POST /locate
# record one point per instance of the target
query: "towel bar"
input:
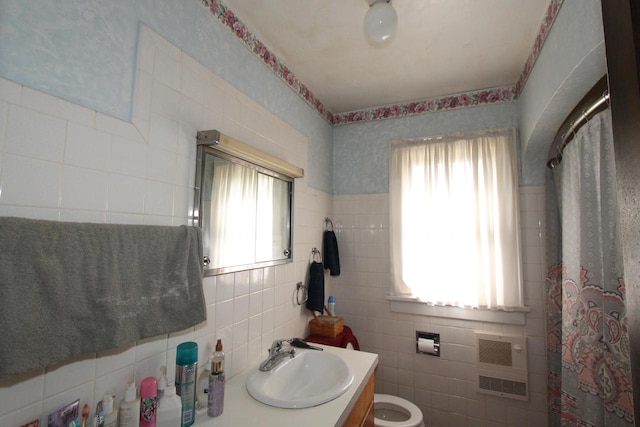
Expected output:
(305, 294)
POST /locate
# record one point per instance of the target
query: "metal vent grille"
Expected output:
(499, 385)
(494, 352)
(502, 366)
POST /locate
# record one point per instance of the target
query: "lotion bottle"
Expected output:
(216, 382)
(148, 402)
(169, 408)
(110, 413)
(332, 306)
(129, 413)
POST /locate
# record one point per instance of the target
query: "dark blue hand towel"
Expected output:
(330, 252)
(315, 302)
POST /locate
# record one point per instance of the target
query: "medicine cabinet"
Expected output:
(243, 204)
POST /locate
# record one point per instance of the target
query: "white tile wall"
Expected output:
(61, 161)
(442, 387)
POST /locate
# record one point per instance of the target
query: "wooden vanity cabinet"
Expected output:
(362, 413)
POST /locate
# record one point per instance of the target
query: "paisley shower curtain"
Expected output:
(589, 375)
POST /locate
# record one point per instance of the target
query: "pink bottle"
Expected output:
(148, 402)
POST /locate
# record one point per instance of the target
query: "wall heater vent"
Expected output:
(502, 365)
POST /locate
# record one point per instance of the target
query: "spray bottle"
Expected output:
(186, 372)
(162, 381)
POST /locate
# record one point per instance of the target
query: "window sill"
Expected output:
(409, 305)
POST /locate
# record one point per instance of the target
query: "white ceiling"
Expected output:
(442, 47)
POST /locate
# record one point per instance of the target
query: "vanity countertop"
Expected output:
(240, 409)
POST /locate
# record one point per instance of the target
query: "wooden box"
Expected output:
(326, 326)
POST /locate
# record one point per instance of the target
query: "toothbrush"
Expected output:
(85, 414)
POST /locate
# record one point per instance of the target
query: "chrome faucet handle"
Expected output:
(276, 355)
(276, 346)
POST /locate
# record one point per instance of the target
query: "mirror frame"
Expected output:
(216, 144)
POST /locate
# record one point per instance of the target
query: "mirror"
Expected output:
(244, 210)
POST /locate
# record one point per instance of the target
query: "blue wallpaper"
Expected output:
(361, 151)
(80, 51)
(572, 60)
(85, 51)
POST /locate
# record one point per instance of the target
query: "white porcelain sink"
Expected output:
(311, 378)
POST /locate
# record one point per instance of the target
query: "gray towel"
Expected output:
(73, 288)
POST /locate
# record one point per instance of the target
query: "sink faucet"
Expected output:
(276, 355)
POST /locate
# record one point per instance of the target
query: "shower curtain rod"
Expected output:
(577, 123)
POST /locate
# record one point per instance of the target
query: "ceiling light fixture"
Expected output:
(381, 21)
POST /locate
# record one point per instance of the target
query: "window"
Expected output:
(454, 220)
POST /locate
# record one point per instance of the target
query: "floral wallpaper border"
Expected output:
(449, 102)
(228, 18)
(545, 27)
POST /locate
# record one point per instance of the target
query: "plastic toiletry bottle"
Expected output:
(162, 381)
(98, 418)
(169, 408)
(332, 305)
(129, 412)
(110, 413)
(186, 373)
(216, 382)
(148, 402)
(203, 385)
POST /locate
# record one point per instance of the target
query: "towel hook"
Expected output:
(315, 253)
(328, 224)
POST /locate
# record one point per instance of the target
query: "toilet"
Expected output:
(393, 411)
(389, 411)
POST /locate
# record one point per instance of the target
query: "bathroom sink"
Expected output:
(310, 378)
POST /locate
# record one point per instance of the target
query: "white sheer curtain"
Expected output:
(454, 220)
(264, 237)
(234, 205)
(279, 192)
(272, 218)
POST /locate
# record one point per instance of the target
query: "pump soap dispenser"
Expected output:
(129, 413)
